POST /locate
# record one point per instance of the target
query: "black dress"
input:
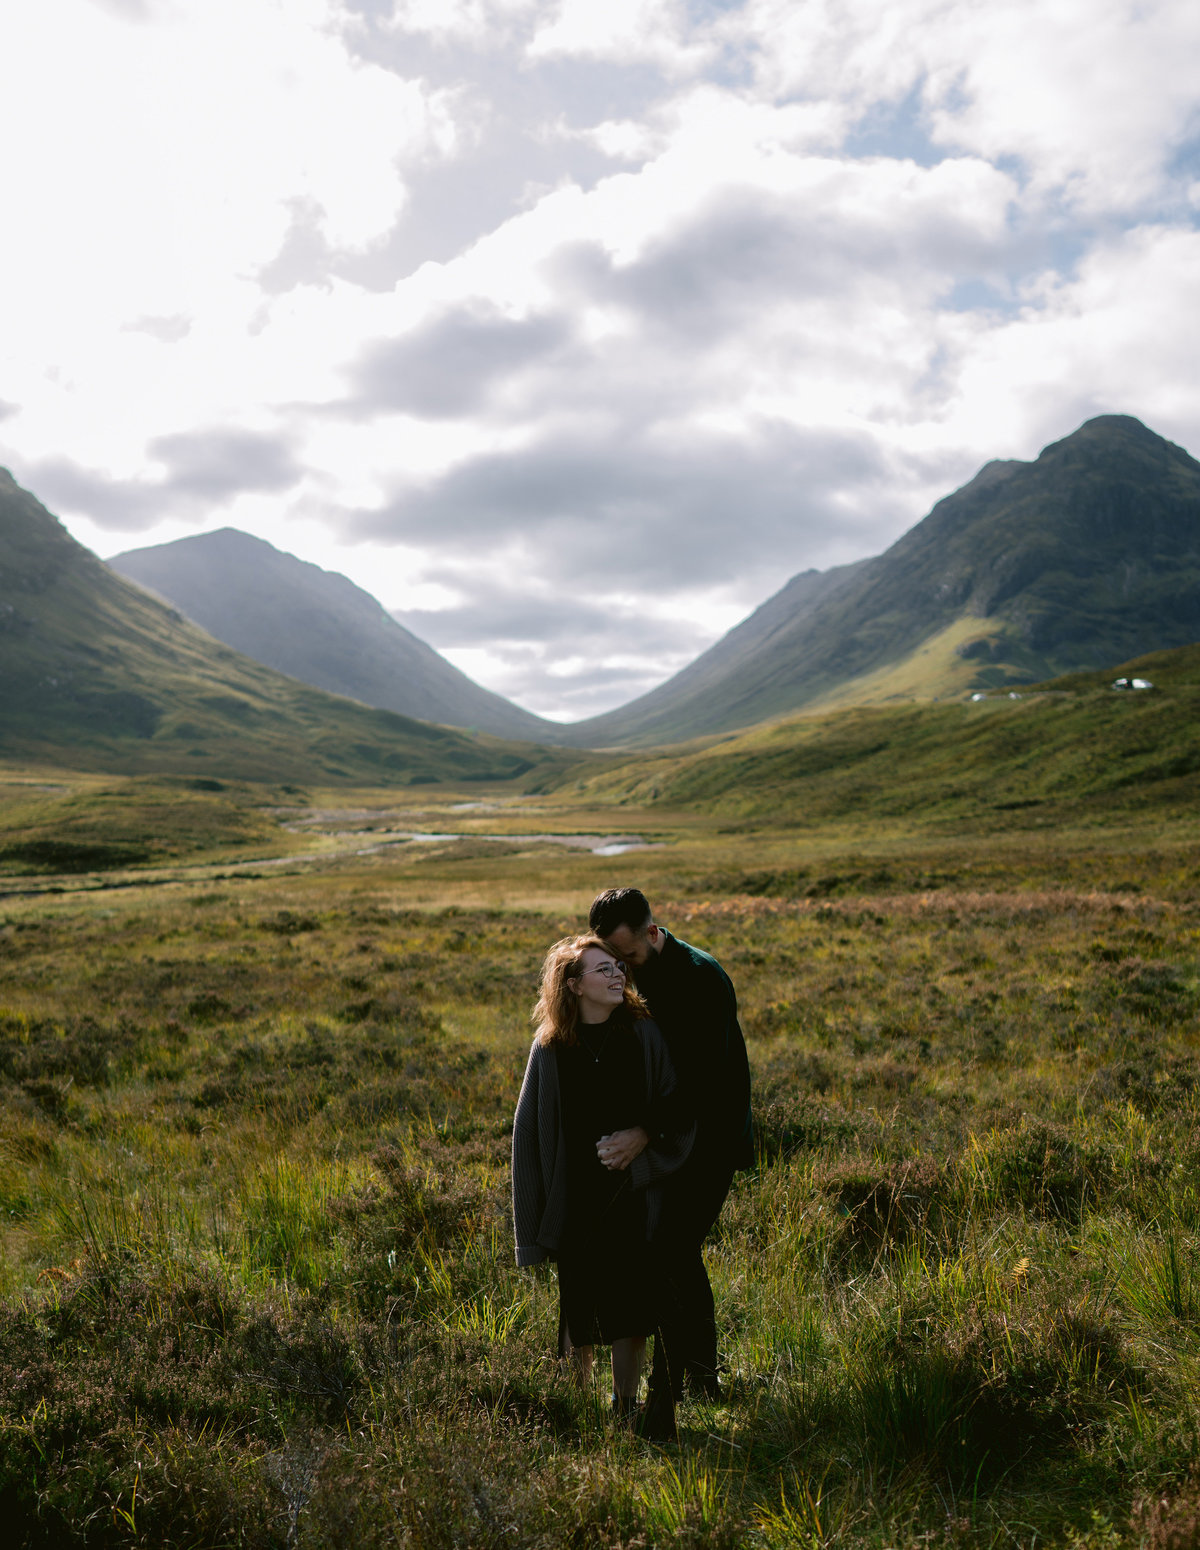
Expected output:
(604, 1283)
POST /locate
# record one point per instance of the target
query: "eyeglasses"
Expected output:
(607, 969)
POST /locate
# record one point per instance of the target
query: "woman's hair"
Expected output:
(556, 1015)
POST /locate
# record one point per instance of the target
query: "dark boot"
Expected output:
(625, 1412)
(702, 1380)
(657, 1420)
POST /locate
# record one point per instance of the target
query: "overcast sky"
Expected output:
(572, 328)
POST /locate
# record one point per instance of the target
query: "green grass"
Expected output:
(1080, 755)
(258, 1279)
(74, 824)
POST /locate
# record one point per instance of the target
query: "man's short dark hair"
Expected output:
(619, 907)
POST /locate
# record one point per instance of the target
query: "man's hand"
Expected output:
(619, 1149)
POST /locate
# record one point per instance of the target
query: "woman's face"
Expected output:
(600, 984)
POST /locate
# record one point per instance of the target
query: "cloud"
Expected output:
(628, 31)
(562, 656)
(123, 505)
(611, 317)
(201, 133)
(558, 651)
(305, 256)
(756, 288)
(450, 365)
(168, 330)
(484, 22)
(563, 682)
(214, 464)
(836, 233)
(1093, 113)
(203, 471)
(1106, 340)
(489, 615)
(132, 10)
(1090, 97)
(521, 127)
(669, 510)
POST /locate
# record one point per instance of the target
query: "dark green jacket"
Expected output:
(692, 1000)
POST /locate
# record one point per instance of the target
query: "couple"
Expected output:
(633, 1117)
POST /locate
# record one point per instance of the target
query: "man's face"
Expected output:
(635, 947)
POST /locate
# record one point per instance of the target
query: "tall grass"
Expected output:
(259, 1282)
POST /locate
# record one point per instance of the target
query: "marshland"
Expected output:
(254, 1156)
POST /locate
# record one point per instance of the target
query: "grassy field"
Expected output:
(254, 1131)
(1080, 757)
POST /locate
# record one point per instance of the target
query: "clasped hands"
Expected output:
(618, 1150)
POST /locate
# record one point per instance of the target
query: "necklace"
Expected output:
(587, 1044)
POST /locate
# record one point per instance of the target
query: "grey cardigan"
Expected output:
(539, 1168)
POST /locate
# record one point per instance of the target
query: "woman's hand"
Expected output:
(619, 1149)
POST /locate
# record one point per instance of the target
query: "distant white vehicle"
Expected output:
(1132, 683)
(1013, 695)
(979, 695)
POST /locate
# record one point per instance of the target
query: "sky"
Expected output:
(571, 330)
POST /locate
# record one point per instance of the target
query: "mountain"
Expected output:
(1088, 555)
(96, 673)
(318, 626)
(657, 713)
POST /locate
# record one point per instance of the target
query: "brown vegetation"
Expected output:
(253, 1176)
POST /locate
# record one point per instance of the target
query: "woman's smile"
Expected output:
(599, 984)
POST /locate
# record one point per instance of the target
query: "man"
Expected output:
(692, 1000)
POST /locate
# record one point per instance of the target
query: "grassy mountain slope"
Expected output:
(317, 626)
(670, 710)
(1076, 750)
(1088, 555)
(97, 674)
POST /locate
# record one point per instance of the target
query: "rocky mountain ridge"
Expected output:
(1086, 556)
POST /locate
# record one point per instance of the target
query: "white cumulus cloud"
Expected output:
(447, 295)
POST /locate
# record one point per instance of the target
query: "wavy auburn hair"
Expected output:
(556, 1015)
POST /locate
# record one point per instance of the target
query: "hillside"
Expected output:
(97, 674)
(317, 626)
(656, 716)
(1073, 750)
(1088, 555)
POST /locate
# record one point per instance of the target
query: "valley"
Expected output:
(1086, 556)
(253, 1167)
(267, 957)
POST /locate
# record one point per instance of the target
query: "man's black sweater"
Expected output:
(692, 1000)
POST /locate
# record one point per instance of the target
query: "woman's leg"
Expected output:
(627, 1354)
(579, 1357)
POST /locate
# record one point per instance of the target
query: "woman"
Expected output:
(593, 1137)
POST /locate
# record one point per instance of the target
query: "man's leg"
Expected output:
(670, 1343)
(657, 1421)
(685, 1341)
(697, 1316)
